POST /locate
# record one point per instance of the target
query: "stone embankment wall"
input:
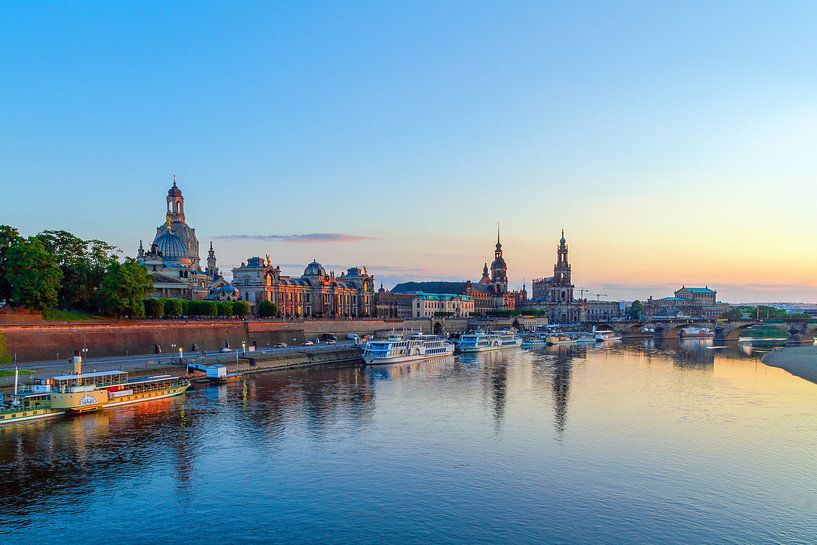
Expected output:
(53, 341)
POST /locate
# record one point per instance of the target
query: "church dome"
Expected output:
(499, 263)
(170, 245)
(174, 191)
(314, 269)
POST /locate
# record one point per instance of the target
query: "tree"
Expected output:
(635, 310)
(209, 308)
(124, 287)
(225, 308)
(33, 275)
(267, 309)
(241, 308)
(9, 236)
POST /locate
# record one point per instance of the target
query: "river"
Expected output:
(627, 443)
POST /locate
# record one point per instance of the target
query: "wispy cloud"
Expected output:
(306, 238)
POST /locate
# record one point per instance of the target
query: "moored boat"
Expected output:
(560, 339)
(606, 335)
(485, 342)
(696, 333)
(397, 348)
(23, 406)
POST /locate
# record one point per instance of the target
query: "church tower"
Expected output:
(499, 269)
(212, 269)
(175, 202)
(561, 289)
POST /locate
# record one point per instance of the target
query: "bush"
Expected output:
(225, 308)
(267, 308)
(173, 308)
(241, 308)
(154, 308)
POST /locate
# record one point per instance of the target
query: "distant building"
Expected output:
(554, 294)
(687, 303)
(601, 311)
(430, 305)
(315, 294)
(394, 305)
(490, 293)
(173, 257)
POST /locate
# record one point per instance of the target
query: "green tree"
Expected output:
(267, 309)
(209, 308)
(635, 309)
(123, 289)
(173, 308)
(225, 308)
(33, 275)
(241, 308)
(9, 236)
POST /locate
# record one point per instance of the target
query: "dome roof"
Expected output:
(314, 269)
(499, 263)
(170, 245)
(174, 191)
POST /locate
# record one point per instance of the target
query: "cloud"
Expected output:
(307, 238)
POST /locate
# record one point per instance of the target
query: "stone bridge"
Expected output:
(796, 330)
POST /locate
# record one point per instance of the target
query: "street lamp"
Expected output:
(181, 353)
(244, 347)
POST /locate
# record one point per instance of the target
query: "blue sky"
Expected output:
(673, 140)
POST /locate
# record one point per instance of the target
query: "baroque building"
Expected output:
(315, 294)
(173, 257)
(695, 303)
(490, 293)
(554, 294)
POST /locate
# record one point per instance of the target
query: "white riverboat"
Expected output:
(485, 342)
(606, 335)
(397, 348)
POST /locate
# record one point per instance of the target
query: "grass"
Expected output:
(10, 372)
(55, 315)
(765, 333)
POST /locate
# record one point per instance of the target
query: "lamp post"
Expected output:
(181, 354)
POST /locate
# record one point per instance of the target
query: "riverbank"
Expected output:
(800, 361)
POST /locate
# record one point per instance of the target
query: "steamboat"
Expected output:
(397, 348)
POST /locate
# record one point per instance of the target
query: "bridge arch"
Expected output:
(437, 328)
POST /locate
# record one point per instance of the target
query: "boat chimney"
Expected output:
(16, 376)
(77, 359)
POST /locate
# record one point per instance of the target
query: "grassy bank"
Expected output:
(54, 315)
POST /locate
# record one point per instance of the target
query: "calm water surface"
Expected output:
(626, 444)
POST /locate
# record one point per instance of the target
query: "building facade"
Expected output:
(315, 294)
(173, 257)
(554, 294)
(687, 303)
(436, 305)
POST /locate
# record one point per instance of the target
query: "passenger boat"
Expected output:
(606, 335)
(26, 405)
(397, 348)
(560, 339)
(530, 342)
(484, 342)
(696, 333)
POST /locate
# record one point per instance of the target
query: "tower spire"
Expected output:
(174, 179)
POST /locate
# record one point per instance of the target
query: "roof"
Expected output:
(430, 287)
(89, 375)
(441, 296)
(698, 290)
(674, 299)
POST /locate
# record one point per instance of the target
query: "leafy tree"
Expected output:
(9, 236)
(635, 309)
(83, 264)
(267, 308)
(123, 289)
(33, 275)
(209, 308)
(154, 308)
(225, 308)
(173, 308)
(241, 308)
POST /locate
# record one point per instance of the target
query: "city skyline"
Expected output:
(681, 154)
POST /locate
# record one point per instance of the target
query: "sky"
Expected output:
(673, 141)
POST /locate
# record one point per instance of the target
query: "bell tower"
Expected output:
(212, 269)
(499, 269)
(175, 202)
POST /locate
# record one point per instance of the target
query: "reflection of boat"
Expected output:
(397, 349)
(484, 342)
(605, 335)
(696, 333)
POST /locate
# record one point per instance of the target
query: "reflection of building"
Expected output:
(490, 293)
(173, 257)
(694, 303)
(315, 294)
(555, 294)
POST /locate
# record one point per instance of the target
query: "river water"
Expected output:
(572, 444)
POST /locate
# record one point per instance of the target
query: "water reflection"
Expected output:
(696, 433)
